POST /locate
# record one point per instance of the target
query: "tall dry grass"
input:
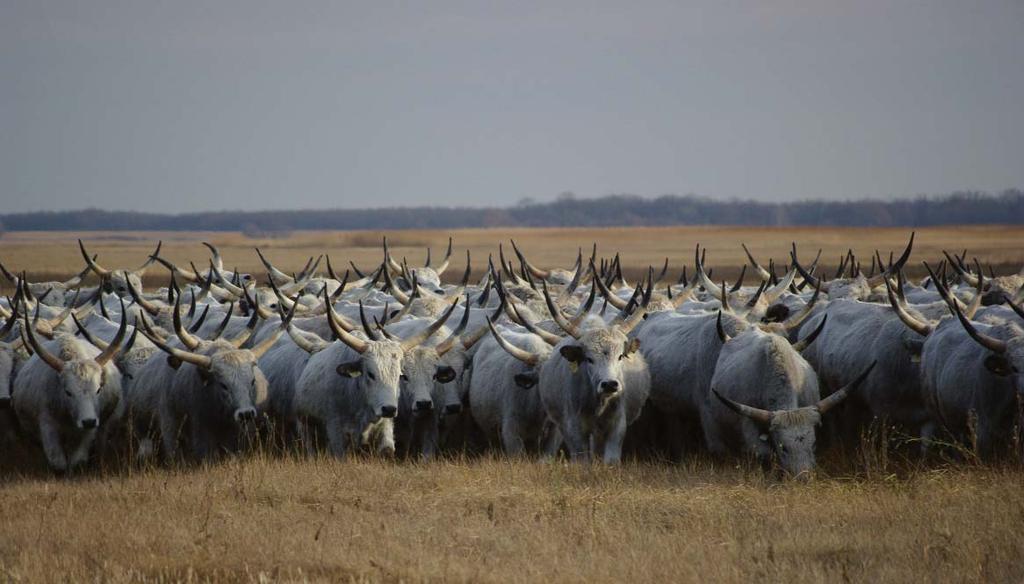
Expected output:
(493, 520)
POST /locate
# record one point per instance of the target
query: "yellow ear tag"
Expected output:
(574, 366)
(356, 373)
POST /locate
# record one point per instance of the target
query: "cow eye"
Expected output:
(371, 375)
(223, 385)
(404, 377)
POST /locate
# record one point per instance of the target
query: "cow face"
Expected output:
(236, 381)
(376, 372)
(81, 382)
(598, 356)
(428, 383)
(117, 283)
(792, 438)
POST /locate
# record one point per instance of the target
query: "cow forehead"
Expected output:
(603, 340)
(83, 368)
(419, 358)
(232, 359)
(789, 419)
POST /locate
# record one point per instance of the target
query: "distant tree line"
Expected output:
(970, 207)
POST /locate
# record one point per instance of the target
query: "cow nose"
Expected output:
(609, 386)
(388, 411)
(453, 408)
(424, 405)
(89, 423)
(245, 414)
(5, 402)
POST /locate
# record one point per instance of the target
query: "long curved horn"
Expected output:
(761, 272)
(398, 295)
(549, 338)
(141, 270)
(148, 306)
(702, 276)
(772, 294)
(302, 342)
(1013, 306)
(248, 335)
(100, 271)
(991, 343)
(895, 267)
(556, 314)
(226, 321)
(795, 321)
(722, 335)
(922, 328)
(274, 273)
(842, 393)
(763, 417)
(115, 344)
(802, 344)
(180, 272)
(446, 345)
(524, 356)
(739, 282)
(614, 300)
(534, 271)
(584, 309)
(185, 356)
(423, 335)
(447, 259)
(190, 342)
(465, 278)
(366, 325)
(216, 258)
(197, 323)
(77, 280)
(390, 261)
(357, 344)
(47, 357)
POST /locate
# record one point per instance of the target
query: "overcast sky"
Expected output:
(187, 105)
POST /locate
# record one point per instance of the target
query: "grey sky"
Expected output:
(183, 104)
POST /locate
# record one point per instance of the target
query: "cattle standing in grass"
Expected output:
(68, 393)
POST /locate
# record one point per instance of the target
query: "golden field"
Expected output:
(51, 254)
(261, 518)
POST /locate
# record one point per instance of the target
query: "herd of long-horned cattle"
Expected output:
(577, 362)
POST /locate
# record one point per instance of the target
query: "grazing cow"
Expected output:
(68, 394)
(763, 377)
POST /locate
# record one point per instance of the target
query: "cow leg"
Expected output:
(552, 440)
(49, 435)
(81, 453)
(337, 439)
(511, 439)
(613, 439)
(305, 436)
(384, 436)
(575, 439)
(170, 428)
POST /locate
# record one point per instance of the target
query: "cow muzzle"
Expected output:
(423, 405)
(388, 411)
(245, 414)
(609, 387)
(89, 423)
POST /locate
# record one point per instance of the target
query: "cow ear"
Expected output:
(526, 380)
(631, 347)
(352, 369)
(914, 347)
(444, 374)
(572, 353)
(173, 362)
(998, 365)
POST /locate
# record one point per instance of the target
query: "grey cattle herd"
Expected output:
(577, 362)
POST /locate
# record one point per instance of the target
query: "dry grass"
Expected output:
(260, 518)
(498, 521)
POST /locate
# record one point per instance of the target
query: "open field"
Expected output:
(48, 255)
(259, 518)
(500, 521)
